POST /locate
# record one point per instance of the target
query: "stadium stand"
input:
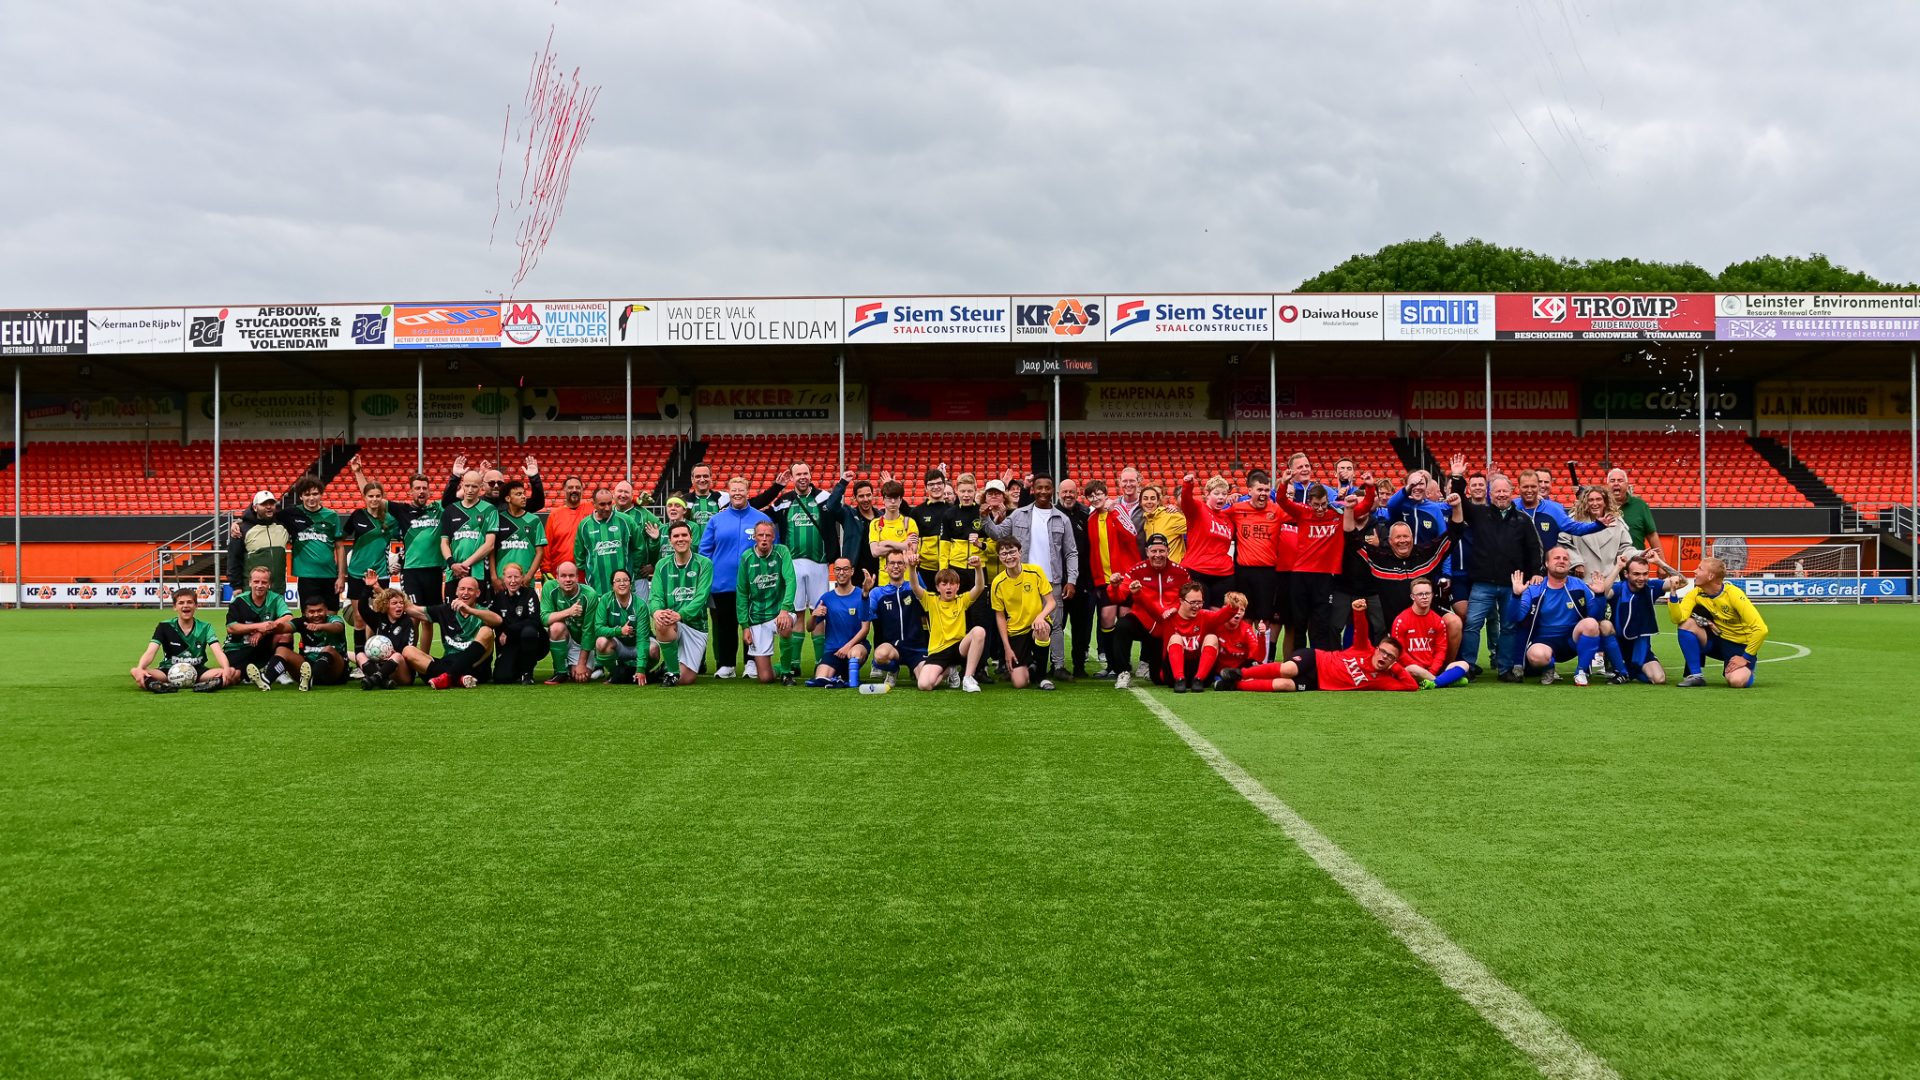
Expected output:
(1870, 469)
(1665, 468)
(595, 458)
(71, 478)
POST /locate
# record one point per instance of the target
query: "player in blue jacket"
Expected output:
(728, 535)
(1632, 624)
(1558, 618)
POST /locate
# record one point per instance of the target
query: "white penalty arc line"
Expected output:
(1803, 652)
(1554, 1051)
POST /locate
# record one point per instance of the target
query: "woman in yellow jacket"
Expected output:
(1158, 517)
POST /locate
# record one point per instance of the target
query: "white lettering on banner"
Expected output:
(1904, 305)
(1822, 588)
(937, 318)
(1440, 315)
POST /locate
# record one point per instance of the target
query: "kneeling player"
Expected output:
(1425, 636)
(1236, 640)
(568, 606)
(1184, 633)
(1361, 667)
(466, 638)
(1629, 630)
(1022, 601)
(843, 612)
(1716, 620)
(1558, 617)
(323, 645)
(616, 631)
(682, 588)
(899, 623)
(951, 644)
(183, 639)
(384, 612)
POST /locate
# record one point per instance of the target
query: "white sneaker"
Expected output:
(1123, 681)
(724, 673)
(1550, 677)
(283, 679)
(888, 681)
(969, 685)
(1140, 669)
(353, 672)
(1579, 678)
(598, 674)
(1046, 684)
(953, 678)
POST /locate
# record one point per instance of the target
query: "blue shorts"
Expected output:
(1638, 653)
(1719, 648)
(909, 658)
(1563, 649)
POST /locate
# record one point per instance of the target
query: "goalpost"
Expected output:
(1794, 569)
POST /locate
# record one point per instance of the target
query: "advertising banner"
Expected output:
(1604, 316)
(1819, 316)
(960, 402)
(813, 403)
(1513, 399)
(102, 412)
(933, 320)
(136, 330)
(1439, 317)
(1190, 318)
(555, 322)
(287, 329)
(269, 414)
(602, 403)
(1059, 318)
(61, 332)
(1160, 402)
(1822, 588)
(1799, 400)
(1630, 399)
(634, 322)
(749, 322)
(1330, 400)
(446, 326)
(398, 409)
(88, 594)
(1329, 317)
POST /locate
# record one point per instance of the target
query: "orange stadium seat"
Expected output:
(1870, 469)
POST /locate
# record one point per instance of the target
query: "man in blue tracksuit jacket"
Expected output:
(1557, 619)
(728, 535)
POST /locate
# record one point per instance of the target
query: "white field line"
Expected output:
(1552, 1050)
(1804, 652)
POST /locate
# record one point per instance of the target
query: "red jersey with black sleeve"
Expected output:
(1321, 543)
(1352, 669)
(1423, 639)
(1209, 536)
(1159, 590)
(1256, 533)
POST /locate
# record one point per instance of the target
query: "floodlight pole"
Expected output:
(217, 546)
(1702, 354)
(1273, 413)
(1488, 392)
(629, 410)
(1056, 431)
(420, 416)
(1913, 474)
(19, 538)
(840, 361)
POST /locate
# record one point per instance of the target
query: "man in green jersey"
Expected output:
(643, 534)
(702, 502)
(764, 604)
(466, 638)
(567, 606)
(682, 588)
(616, 631)
(323, 645)
(469, 529)
(1638, 517)
(260, 632)
(603, 542)
(319, 562)
(809, 521)
(370, 534)
(183, 639)
(522, 534)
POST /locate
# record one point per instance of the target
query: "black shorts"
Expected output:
(1262, 586)
(425, 586)
(948, 657)
(358, 589)
(1213, 587)
(239, 656)
(1309, 667)
(1022, 649)
(1309, 592)
(321, 589)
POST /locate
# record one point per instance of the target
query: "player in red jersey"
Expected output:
(1362, 667)
(1319, 548)
(1187, 636)
(1426, 640)
(1256, 536)
(1236, 640)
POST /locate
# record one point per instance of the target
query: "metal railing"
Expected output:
(152, 565)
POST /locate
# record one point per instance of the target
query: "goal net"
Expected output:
(1776, 570)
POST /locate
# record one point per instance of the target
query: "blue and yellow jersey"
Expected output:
(1727, 613)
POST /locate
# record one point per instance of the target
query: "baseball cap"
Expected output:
(264, 496)
(995, 485)
(1157, 538)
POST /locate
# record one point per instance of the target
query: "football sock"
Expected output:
(670, 657)
(1615, 662)
(1260, 671)
(1257, 686)
(1585, 648)
(558, 650)
(1177, 664)
(1693, 651)
(1450, 676)
(786, 653)
(819, 648)
(1209, 656)
(1105, 638)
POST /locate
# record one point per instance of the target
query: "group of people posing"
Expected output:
(1342, 584)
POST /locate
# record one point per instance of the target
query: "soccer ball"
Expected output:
(379, 647)
(542, 404)
(183, 673)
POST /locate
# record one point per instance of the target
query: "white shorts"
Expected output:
(760, 638)
(810, 584)
(642, 588)
(693, 647)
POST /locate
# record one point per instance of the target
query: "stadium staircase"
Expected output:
(677, 473)
(1796, 472)
(1414, 454)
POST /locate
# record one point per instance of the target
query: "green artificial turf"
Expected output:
(727, 879)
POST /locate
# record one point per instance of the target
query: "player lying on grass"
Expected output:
(466, 638)
(1427, 638)
(1236, 640)
(1022, 601)
(842, 615)
(323, 645)
(384, 613)
(951, 645)
(1716, 620)
(1361, 667)
(1558, 619)
(179, 644)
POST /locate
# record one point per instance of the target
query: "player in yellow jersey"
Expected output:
(1716, 620)
(953, 649)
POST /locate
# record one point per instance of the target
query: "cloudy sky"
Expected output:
(246, 152)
